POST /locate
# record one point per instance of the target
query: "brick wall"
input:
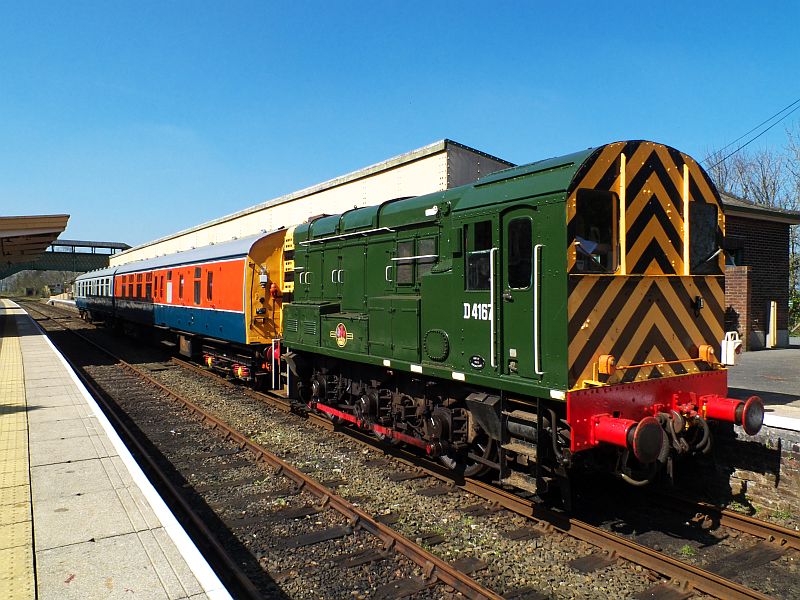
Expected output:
(737, 302)
(765, 249)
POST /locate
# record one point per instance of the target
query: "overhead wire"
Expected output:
(753, 139)
(756, 127)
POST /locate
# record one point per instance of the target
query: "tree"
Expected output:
(770, 178)
(793, 167)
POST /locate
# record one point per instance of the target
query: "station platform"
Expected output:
(78, 518)
(773, 375)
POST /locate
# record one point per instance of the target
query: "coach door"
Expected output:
(519, 294)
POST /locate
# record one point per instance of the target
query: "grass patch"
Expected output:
(782, 514)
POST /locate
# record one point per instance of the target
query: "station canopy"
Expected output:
(24, 239)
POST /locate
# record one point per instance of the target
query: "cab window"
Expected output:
(520, 253)
(704, 245)
(405, 264)
(426, 253)
(478, 241)
(596, 232)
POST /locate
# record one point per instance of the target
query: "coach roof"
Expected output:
(232, 249)
(107, 272)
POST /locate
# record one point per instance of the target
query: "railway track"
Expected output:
(683, 577)
(775, 540)
(372, 542)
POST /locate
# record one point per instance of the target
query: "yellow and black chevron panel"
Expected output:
(642, 320)
(288, 265)
(655, 184)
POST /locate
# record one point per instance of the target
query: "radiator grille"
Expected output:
(310, 327)
(291, 325)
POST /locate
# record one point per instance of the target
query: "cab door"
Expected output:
(351, 276)
(312, 277)
(479, 334)
(520, 294)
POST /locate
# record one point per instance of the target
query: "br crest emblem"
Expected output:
(341, 335)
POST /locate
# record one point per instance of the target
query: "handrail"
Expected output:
(415, 257)
(345, 235)
(492, 291)
(537, 354)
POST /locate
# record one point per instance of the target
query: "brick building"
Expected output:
(757, 249)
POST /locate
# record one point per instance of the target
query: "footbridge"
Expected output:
(67, 255)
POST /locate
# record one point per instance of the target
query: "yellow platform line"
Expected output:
(16, 534)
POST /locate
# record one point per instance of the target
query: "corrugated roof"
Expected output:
(91, 244)
(24, 238)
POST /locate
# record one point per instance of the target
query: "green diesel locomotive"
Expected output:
(572, 307)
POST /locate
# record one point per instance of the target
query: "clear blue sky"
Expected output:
(143, 118)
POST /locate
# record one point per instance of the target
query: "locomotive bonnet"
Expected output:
(574, 304)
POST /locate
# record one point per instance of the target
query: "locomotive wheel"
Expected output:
(482, 446)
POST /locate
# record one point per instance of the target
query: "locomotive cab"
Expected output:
(646, 305)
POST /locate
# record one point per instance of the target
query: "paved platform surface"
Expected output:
(774, 375)
(78, 518)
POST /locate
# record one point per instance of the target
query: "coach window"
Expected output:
(704, 245)
(198, 272)
(596, 232)
(405, 268)
(520, 253)
(479, 245)
(209, 284)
